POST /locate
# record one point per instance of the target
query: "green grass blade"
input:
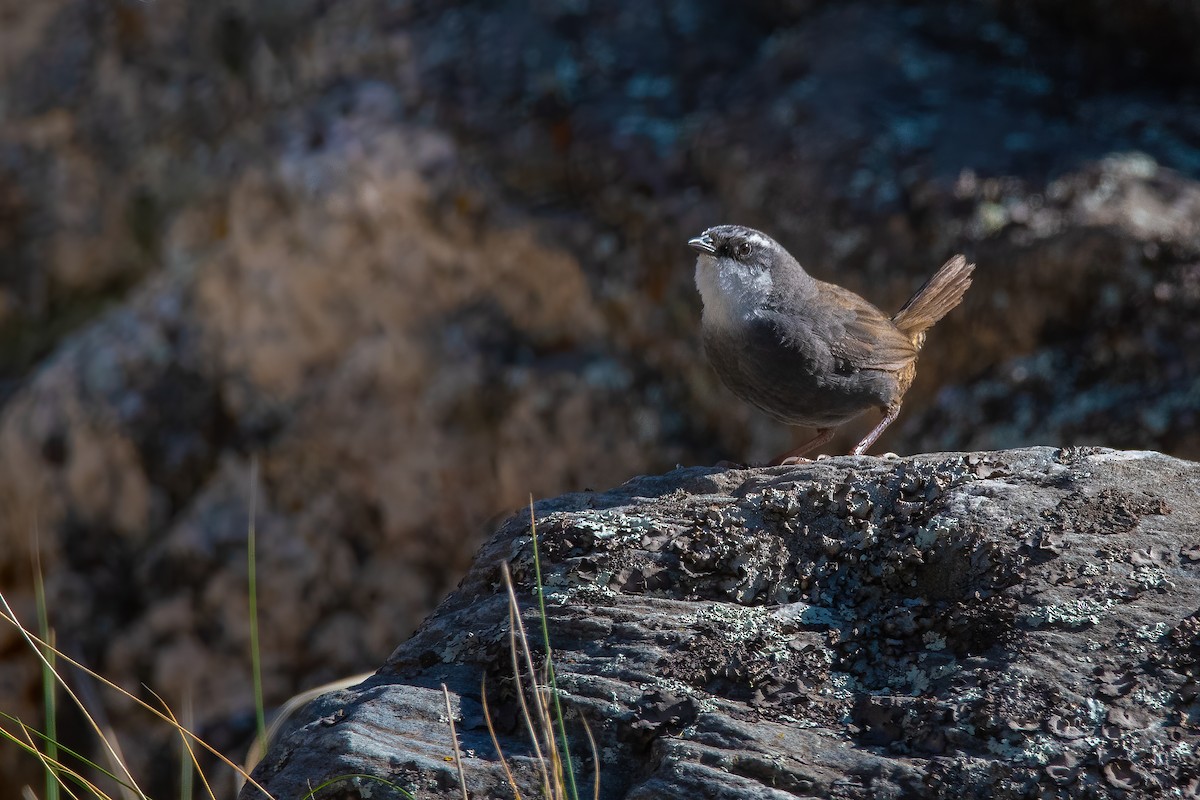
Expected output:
(62, 772)
(260, 716)
(313, 792)
(558, 715)
(49, 683)
(7, 614)
(61, 748)
(187, 774)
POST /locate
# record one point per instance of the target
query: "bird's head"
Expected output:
(738, 271)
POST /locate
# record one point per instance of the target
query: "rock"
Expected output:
(1071, 183)
(369, 342)
(1114, 250)
(387, 251)
(1154, 36)
(941, 626)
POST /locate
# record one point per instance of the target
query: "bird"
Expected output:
(807, 352)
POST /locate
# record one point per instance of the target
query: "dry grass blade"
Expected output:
(514, 624)
(550, 684)
(63, 771)
(549, 757)
(595, 759)
(487, 716)
(285, 713)
(517, 631)
(31, 732)
(36, 644)
(462, 778)
(114, 753)
(52, 766)
(34, 641)
(179, 726)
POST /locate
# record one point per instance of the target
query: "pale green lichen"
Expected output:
(673, 686)
(1151, 578)
(934, 641)
(742, 623)
(1040, 748)
(456, 645)
(820, 615)
(915, 681)
(1153, 633)
(1073, 613)
(1153, 700)
(928, 535)
(611, 524)
(738, 622)
(1004, 750)
(841, 686)
(565, 593)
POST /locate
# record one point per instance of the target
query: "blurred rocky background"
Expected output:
(390, 267)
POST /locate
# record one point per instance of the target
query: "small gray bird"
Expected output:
(804, 351)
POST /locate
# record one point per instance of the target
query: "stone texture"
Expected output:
(1110, 279)
(392, 250)
(1098, 35)
(373, 349)
(1002, 624)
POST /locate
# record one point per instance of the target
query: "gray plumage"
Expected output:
(804, 351)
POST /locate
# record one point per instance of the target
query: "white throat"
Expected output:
(732, 294)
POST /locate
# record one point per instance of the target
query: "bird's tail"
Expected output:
(935, 299)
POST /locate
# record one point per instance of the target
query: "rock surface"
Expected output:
(998, 624)
(391, 250)
(370, 373)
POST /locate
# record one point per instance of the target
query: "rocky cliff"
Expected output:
(962, 625)
(389, 250)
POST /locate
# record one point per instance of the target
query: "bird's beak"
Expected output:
(702, 244)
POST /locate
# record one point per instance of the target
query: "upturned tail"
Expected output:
(935, 299)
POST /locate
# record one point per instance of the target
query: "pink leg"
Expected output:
(890, 415)
(797, 455)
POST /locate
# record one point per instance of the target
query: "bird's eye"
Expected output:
(744, 249)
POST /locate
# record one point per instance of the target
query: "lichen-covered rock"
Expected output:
(391, 250)
(1000, 624)
(1109, 276)
(373, 346)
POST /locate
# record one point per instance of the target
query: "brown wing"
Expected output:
(867, 339)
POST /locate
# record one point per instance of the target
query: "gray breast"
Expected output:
(798, 382)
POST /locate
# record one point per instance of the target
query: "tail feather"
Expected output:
(935, 299)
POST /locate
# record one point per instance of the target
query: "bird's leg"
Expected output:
(797, 455)
(889, 417)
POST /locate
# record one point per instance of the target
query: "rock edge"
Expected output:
(1006, 624)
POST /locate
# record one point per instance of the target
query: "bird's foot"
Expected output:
(797, 456)
(791, 461)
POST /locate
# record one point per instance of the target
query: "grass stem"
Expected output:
(260, 717)
(551, 680)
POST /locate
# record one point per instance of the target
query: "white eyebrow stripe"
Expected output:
(758, 239)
